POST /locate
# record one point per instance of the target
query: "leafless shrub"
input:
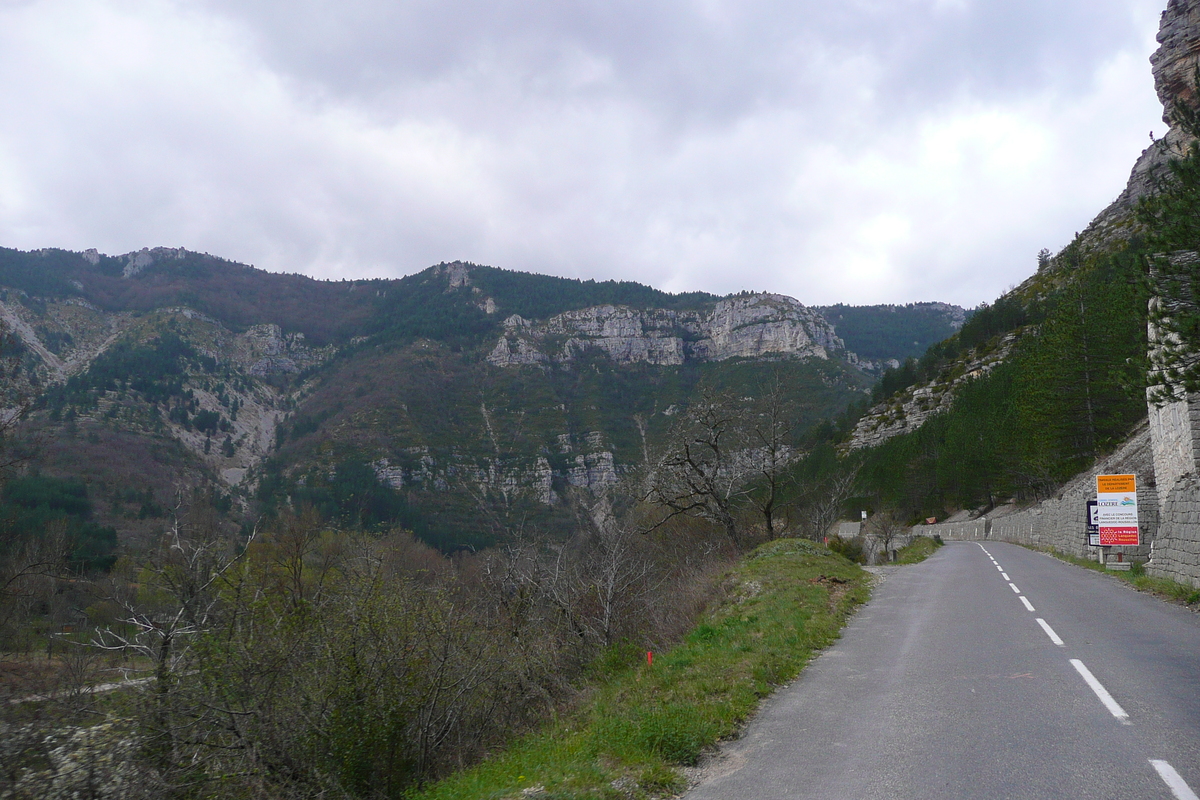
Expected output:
(311, 662)
(824, 502)
(886, 527)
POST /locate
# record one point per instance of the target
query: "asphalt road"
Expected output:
(946, 685)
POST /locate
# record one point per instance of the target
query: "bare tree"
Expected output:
(771, 452)
(698, 473)
(887, 527)
(826, 499)
(621, 576)
(178, 600)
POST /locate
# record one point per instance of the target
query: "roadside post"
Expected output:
(1116, 512)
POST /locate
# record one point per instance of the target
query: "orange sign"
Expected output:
(1114, 484)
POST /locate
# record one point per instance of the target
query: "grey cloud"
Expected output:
(794, 146)
(702, 57)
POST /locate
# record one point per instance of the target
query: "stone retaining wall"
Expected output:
(1059, 522)
(1177, 546)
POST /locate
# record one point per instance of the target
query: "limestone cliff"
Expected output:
(591, 466)
(748, 326)
(1174, 66)
(64, 336)
(908, 410)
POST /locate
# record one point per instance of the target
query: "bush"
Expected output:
(851, 549)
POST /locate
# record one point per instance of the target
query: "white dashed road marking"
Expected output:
(1113, 707)
(1050, 632)
(1171, 778)
(1028, 605)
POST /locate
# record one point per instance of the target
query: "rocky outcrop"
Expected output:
(63, 337)
(591, 467)
(458, 276)
(138, 261)
(595, 471)
(1174, 62)
(510, 477)
(747, 326)
(1174, 66)
(266, 350)
(910, 409)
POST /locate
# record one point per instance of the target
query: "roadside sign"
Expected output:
(1116, 510)
(1093, 527)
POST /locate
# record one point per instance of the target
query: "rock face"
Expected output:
(1174, 63)
(136, 262)
(592, 467)
(266, 350)
(1175, 427)
(748, 326)
(1174, 66)
(65, 336)
(910, 409)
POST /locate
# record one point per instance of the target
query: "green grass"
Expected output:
(1137, 577)
(919, 549)
(786, 600)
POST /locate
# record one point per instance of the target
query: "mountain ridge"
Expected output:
(271, 389)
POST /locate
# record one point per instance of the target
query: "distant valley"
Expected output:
(459, 402)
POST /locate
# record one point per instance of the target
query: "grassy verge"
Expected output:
(1135, 576)
(919, 549)
(786, 600)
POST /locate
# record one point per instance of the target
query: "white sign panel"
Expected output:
(1116, 510)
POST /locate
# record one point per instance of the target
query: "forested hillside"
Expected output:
(890, 332)
(348, 549)
(1070, 387)
(168, 374)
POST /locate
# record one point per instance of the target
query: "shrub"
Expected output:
(851, 549)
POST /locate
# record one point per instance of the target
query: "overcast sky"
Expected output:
(857, 151)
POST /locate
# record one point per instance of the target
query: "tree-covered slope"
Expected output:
(386, 411)
(472, 454)
(1069, 388)
(885, 332)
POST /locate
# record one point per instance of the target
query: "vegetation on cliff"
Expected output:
(893, 332)
(1070, 389)
(1171, 219)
